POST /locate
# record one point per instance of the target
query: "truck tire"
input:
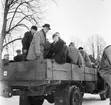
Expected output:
(50, 98)
(106, 94)
(36, 100)
(82, 94)
(103, 96)
(75, 96)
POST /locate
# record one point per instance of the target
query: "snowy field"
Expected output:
(87, 100)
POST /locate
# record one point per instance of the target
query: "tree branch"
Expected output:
(11, 42)
(16, 12)
(17, 24)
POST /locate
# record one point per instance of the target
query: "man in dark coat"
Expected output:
(28, 36)
(36, 49)
(58, 49)
(18, 57)
(105, 67)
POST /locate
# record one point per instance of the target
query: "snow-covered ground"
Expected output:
(87, 100)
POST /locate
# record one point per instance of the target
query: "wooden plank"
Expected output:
(64, 67)
(61, 71)
(90, 74)
(90, 70)
(61, 75)
(49, 69)
(20, 71)
(40, 70)
(77, 73)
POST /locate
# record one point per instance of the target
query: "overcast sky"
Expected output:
(81, 18)
(78, 19)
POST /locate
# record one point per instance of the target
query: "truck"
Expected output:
(62, 84)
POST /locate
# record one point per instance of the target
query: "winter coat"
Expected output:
(18, 58)
(37, 45)
(75, 56)
(86, 59)
(46, 48)
(27, 40)
(58, 51)
(105, 64)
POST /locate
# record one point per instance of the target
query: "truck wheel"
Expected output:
(106, 94)
(75, 96)
(36, 100)
(50, 98)
(82, 94)
(103, 96)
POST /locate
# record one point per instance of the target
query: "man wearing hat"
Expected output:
(18, 57)
(36, 49)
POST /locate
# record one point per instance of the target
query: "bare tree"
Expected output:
(16, 14)
(96, 45)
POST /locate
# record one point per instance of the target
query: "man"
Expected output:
(18, 57)
(27, 40)
(74, 55)
(5, 59)
(58, 49)
(105, 66)
(36, 49)
(86, 57)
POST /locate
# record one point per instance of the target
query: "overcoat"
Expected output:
(86, 58)
(27, 40)
(105, 65)
(75, 55)
(58, 51)
(37, 45)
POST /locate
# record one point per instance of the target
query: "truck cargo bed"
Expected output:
(46, 70)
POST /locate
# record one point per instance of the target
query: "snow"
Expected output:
(87, 100)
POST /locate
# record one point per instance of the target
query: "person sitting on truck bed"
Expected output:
(58, 49)
(85, 57)
(5, 59)
(74, 55)
(18, 57)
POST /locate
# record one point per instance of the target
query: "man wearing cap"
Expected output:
(18, 57)
(85, 56)
(27, 40)
(36, 49)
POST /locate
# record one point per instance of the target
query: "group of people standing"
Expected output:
(36, 46)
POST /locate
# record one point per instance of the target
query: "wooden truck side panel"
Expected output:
(46, 70)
